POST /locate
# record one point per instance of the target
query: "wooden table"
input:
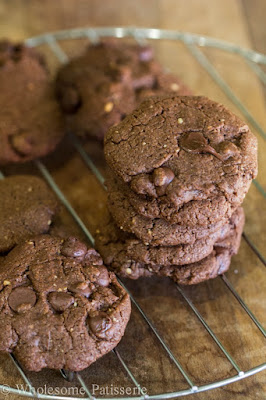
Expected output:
(241, 22)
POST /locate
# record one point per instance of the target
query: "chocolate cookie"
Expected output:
(135, 214)
(196, 213)
(98, 89)
(27, 208)
(216, 263)
(183, 156)
(154, 231)
(30, 120)
(59, 306)
(118, 247)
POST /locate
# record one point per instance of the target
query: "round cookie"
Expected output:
(98, 89)
(27, 208)
(118, 247)
(216, 263)
(30, 119)
(179, 150)
(156, 232)
(196, 213)
(59, 306)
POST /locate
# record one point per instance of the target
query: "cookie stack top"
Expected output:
(181, 152)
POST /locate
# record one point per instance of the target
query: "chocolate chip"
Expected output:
(21, 143)
(195, 142)
(100, 324)
(143, 185)
(22, 299)
(80, 288)
(70, 100)
(163, 176)
(72, 247)
(93, 258)
(102, 279)
(60, 301)
(17, 51)
(228, 149)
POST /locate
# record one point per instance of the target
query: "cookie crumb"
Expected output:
(108, 107)
(6, 283)
(129, 271)
(175, 87)
(180, 120)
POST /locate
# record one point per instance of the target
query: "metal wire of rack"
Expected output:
(192, 42)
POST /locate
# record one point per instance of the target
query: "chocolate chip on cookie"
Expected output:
(59, 306)
(209, 154)
(99, 88)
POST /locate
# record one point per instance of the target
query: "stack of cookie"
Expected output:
(180, 168)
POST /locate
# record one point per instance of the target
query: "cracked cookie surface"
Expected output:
(30, 119)
(194, 213)
(98, 89)
(59, 305)
(27, 208)
(183, 155)
(124, 255)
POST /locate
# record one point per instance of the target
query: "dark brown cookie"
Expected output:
(27, 208)
(118, 247)
(193, 214)
(154, 231)
(98, 89)
(183, 155)
(216, 263)
(59, 306)
(30, 120)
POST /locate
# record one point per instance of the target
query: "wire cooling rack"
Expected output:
(193, 43)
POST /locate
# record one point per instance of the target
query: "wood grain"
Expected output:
(182, 331)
